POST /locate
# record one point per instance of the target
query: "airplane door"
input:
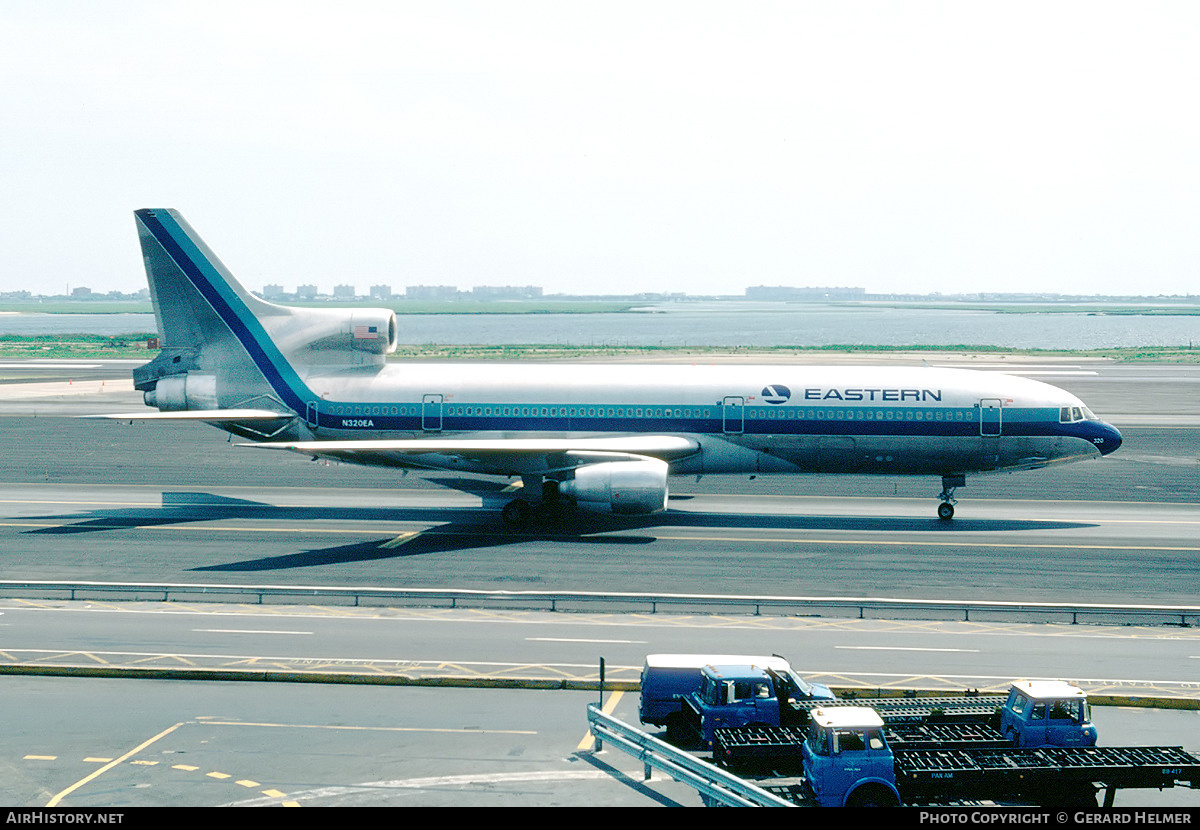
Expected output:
(990, 417)
(431, 413)
(311, 415)
(991, 425)
(733, 415)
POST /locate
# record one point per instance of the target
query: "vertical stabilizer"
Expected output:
(176, 259)
(223, 346)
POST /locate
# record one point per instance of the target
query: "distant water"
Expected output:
(731, 324)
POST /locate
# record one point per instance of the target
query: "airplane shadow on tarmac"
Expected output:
(458, 529)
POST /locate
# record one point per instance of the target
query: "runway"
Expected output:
(169, 502)
(789, 545)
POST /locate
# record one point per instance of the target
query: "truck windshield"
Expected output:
(818, 742)
(1074, 710)
(803, 689)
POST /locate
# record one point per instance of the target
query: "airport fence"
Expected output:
(596, 601)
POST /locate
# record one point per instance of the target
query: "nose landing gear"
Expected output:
(945, 510)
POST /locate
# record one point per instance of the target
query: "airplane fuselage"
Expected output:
(743, 418)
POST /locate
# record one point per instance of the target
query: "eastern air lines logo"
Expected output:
(776, 393)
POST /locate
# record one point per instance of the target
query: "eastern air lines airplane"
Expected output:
(603, 438)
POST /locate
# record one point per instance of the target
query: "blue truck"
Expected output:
(851, 756)
(668, 679)
(1047, 713)
(748, 694)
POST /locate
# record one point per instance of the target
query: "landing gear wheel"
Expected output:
(949, 485)
(517, 513)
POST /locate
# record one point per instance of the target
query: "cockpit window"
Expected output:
(1072, 414)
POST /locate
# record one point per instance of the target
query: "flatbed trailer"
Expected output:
(930, 776)
(851, 756)
(779, 746)
(1057, 776)
(932, 709)
(894, 711)
(933, 701)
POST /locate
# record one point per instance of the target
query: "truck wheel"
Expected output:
(872, 795)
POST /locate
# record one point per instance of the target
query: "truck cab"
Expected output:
(744, 695)
(668, 678)
(847, 760)
(1047, 713)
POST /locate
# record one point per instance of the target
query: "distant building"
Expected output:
(506, 292)
(81, 293)
(814, 294)
(273, 292)
(381, 292)
(306, 292)
(343, 292)
(431, 292)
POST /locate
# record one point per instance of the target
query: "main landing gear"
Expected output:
(521, 512)
(949, 485)
(517, 513)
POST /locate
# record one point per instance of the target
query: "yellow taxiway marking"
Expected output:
(54, 802)
(589, 740)
(400, 540)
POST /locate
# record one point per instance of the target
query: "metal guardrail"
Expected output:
(1184, 615)
(714, 784)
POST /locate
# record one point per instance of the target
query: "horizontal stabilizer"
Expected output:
(210, 415)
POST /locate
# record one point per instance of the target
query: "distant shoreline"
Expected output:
(586, 306)
(133, 346)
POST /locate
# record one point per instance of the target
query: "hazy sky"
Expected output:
(608, 147)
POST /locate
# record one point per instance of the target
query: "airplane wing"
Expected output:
(211, 415)
(506, 456)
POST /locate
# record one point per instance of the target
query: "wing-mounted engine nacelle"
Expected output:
(629, 488)
(176, 393)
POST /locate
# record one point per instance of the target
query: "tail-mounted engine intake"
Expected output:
(333, 336)
(629, 488)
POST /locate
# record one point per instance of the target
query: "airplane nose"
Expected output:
(1109, 439)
